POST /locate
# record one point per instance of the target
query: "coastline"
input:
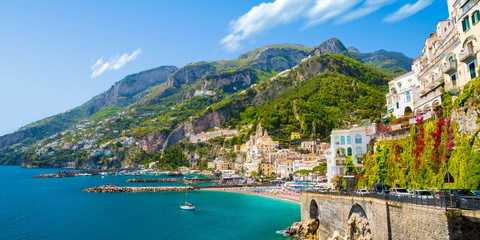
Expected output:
(277, 194)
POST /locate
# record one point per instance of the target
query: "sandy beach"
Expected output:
(269, 192)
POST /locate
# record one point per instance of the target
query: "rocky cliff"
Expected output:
(207, 121)
(333, 46)
(126, 91)
(278, 59)
(130, 89)
(231, 80)
(190, 73)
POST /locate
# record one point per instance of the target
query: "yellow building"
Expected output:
(267, 169)
(295, 135)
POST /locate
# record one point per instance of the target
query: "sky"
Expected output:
(57, 55)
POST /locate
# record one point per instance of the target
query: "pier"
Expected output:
(119, 189)
(163, 180)
(61, 174)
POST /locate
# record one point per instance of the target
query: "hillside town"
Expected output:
(448, 63)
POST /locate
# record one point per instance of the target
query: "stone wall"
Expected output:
(388, 220)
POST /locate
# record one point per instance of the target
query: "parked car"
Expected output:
(379, 188)
(400, 192)
(464, 198)
(362, 191)
(422, 194)
(477, 193)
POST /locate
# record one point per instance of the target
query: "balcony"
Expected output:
(451, 67)
(427, 98)
(467, 54)
(340, 161)
(452, 87)
(434, 84)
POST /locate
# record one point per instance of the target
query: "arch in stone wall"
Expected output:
(357, 226)
(313, 212)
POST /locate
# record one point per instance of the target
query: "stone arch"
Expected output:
(407, 111)
(313, 212)
(358, 226)
(340, 152)
(435, 103)
(418, 112)
(426, 108)
(471, 39)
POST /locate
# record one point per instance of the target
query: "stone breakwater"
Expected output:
(161, 180)
(117, 189)
(48, 176)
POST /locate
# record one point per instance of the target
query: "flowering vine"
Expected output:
(420, 143)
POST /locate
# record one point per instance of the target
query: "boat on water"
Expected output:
(82, 174)
(187, 206)
(175, 174)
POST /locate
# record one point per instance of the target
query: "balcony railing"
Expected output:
(452, 87)
(437, 81)
(340, 161)
(467, 54)
(428, 98)
(450, 67)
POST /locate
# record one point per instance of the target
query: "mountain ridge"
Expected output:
(264, 63)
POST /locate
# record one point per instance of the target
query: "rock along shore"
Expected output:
(117, 189)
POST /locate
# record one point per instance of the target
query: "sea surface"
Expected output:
(57, 208)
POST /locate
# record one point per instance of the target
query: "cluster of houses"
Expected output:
(264, 156)
(449, 61)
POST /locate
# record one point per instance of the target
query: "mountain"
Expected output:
(333, 46)
(310, 90)
(120, 94)
(382, 59)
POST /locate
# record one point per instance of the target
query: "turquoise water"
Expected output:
(33, 208)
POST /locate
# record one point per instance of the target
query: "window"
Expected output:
(358, 138)
(466, 24)
(400, 86)
(349, 151)
(398, 105)
(342, 140)
(409, 96)
(451, 61)
(358, 152)
(471, 68)
(475, 17)
(337, 140)
(349, 140)
(454, 79)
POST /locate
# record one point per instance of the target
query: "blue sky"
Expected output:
(56, 55)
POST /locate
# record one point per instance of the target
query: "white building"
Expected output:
(403, 92)
(350, 142)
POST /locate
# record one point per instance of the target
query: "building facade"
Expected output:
(403, 92)
(352, 142)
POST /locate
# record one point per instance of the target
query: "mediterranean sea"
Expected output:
(57, 208)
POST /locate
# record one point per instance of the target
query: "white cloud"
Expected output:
(266, 16)
(407, 10)
(263, 17)
(115, 63)
(368, 7)
(324, 10)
